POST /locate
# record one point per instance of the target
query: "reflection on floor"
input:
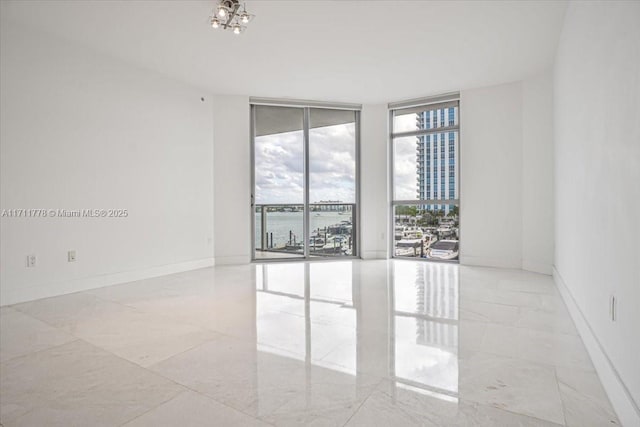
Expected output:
(262, 255)
(357, 343)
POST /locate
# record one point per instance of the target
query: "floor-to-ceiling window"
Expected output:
(425, 169)
(305, 181)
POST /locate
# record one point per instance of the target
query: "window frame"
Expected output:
(306, 106)
(436, 103)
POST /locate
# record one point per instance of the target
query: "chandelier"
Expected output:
(228, 16)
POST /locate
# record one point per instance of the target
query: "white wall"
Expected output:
(537, 173)
(597, 172)
(374, 177)
(80, 130)
(232, 167)
(491, 176)
(232, 180)
(506, 175)
(506, 161)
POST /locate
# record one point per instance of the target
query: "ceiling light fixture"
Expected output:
(227, 15)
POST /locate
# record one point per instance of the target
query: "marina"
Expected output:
(331, 232)
(332, 235)
(436, 243)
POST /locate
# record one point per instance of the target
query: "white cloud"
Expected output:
(280, 165)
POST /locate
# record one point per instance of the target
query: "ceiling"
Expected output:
(350, 51)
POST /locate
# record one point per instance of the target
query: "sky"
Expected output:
(280, 165)
(404, 159)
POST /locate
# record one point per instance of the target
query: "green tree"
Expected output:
(406, 210)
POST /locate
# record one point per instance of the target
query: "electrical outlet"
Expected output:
(31, 261)
(71, 256)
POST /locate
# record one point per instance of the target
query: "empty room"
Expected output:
(319, 213)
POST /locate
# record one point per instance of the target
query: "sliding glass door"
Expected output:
(279, 176)
(305, 186)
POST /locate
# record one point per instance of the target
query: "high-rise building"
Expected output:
(437, 157)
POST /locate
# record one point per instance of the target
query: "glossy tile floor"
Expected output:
(356, 343)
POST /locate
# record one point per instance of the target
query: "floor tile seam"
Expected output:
(209, 397)
(128, 362)
(564, 423)
(46, 322)
(589, 397)
(520, 359)
(334, 347)
(564, 409)
(536, 362)
(515, 291)
(75, 339)
(142, 311)
(462, 298)
(406, 409)
(512, 411)
(189, 388)
(374, 388)
(151, 409)
(511, 325)
(191, 347)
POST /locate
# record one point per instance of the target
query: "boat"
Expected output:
(443, 250)
(407, 233)
(409, 247)
(316, 242)
(412, 233)
(429, 239)
(334, 245)
(397, 235)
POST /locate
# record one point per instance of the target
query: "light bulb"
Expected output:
(236, 29)
(215, 23)
(222, 12)
(244, 18)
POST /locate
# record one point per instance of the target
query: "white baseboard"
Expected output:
(537, 267)
(46, 290)
(373, 255)
(233, 259)
(499, 262)
(621, 400)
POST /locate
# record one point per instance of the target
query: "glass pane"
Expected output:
(427, 231)
(280, 310)
(332, 181)
(284, 231)
(426, 354)
(426, 327)
(425, 167)
(279, 182)
(425, 117)
(279, 155)
(333, 317)
(427, 289)
(331, 228)
(332, 156)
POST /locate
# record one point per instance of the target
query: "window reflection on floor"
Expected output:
(316, 313)
(426, 330)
